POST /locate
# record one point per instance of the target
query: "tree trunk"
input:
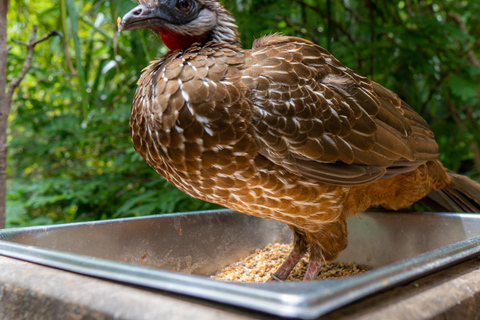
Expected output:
(4, 109)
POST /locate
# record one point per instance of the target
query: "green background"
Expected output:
(70, 156)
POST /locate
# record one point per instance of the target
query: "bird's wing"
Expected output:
(321, 120)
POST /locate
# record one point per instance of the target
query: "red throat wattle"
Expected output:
(175, 41)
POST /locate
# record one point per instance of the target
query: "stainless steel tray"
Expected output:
(144, 251)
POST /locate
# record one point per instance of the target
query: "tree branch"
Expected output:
(371, 15)
(337, 25)
(432, 92)
(3, 106)
(471, 54)
(292, 24)
(28, 61)
(354, 14)
(466, 52)
(461, 124)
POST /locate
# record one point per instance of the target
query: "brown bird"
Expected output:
(282, 131)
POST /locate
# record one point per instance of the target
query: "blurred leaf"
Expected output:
(73, 18)
(464, 89)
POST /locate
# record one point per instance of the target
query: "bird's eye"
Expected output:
(184, 5)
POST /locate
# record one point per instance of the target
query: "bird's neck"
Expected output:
(175, 41)
(225, 32)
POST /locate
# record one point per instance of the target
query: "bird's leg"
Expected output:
(300, 247)
(313, 270)
(287, 266)
(325, 246)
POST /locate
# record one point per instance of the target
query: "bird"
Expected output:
(282, 131)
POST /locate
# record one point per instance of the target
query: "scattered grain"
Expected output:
(258, 266)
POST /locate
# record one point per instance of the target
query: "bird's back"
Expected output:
(321, 120)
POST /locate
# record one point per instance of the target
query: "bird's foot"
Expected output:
(274, 278)
(313, 270)
(287, 266)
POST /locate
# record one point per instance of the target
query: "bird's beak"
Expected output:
(142, 16)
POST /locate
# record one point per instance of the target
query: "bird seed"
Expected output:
(259, 266)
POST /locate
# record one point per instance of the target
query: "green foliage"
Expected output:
(70, 158)
(70, 155)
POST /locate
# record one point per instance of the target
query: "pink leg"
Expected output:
(300, 247)
(323, 249)
(312, 271)
(287, 266)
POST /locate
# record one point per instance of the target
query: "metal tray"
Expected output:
(145, 251)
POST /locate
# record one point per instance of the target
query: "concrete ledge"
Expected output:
(30, 291)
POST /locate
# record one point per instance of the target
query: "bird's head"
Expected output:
(181, 23)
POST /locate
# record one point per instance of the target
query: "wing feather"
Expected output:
(319, 119)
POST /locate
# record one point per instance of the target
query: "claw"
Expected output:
(274, 278)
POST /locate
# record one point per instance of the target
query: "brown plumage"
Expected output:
(281, 131)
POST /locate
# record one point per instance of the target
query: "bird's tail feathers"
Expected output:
(462, 194)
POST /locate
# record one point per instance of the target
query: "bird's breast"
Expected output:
(191, 122)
